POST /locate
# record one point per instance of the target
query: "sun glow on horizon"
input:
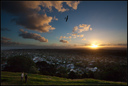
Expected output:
(94, 46)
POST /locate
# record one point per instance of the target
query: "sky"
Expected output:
(42, 24)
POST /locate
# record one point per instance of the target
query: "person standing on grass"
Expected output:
(22, 76)
(26, 77)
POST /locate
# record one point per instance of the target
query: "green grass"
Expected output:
(13, 78)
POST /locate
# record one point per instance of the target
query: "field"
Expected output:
(13, 78)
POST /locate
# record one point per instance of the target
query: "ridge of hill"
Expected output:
(14, 78)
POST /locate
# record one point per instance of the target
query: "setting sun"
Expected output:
(94, 46)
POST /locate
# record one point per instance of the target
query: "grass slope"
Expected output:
(13, 78)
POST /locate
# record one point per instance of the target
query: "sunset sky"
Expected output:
(41, 24)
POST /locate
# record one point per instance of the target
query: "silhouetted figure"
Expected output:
(66, 18)
(22, 75)
(26, 77)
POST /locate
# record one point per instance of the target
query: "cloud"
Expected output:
(61, 37)
(81, 30)
(35, 22)
(84, 27)
(83, 39)
(55, 18)
(74, 34)
(104, 44)
(28, 16)
(69, 37)
(65, 37)
(122, 44)
(7, 41)
(87, 44)
(75, 45)
(64, 41)
(119, 44)
(54, 44)
(36, 5)
(5, 29)
(22, 7)
(78, 29)
(56, 4)
(82, 35)
(73, 4)
(74, 37)
(81, 27)
(75, 29)
(35, 36)
(59, 5)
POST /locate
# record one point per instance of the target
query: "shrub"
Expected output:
(90, 74)
(19, 64)
(84, 75)
(72, 75)
(45, 68)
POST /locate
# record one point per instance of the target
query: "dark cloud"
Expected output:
(18, 7)
(35, 36)
(104, 44)
(35, 22)
(87, 44)
(3, 42)
(27, 15)
(113, 44)
(64, 41)
(5, 29)
(7, 41)
(122, 44)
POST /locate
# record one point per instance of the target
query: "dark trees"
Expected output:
(45, 68)
(19, 64)
(72, 75)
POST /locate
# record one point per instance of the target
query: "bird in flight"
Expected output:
(66, 18)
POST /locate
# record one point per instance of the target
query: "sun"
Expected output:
(94, 46)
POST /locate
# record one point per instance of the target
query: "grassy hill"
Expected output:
(13, 78)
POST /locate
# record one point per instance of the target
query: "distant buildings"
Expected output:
(91, 69)
(70, 61)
